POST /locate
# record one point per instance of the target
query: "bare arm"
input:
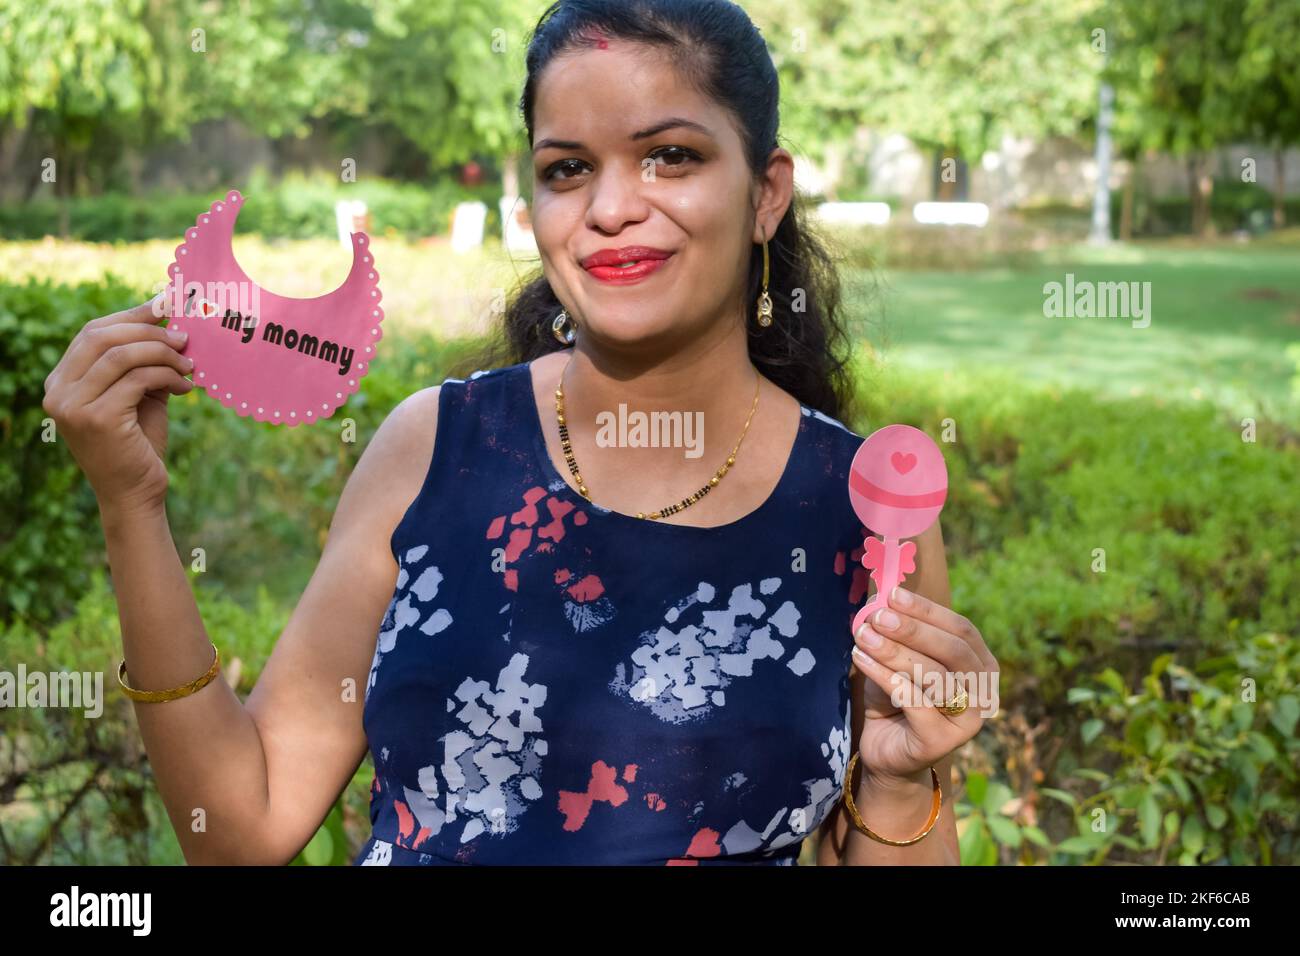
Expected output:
(265, 773)
(897, 812)
(242, 783)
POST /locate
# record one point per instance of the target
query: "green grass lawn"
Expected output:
(1221, 316)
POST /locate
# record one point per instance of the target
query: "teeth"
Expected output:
(624, 265)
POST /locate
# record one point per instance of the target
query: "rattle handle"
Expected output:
(886, 577)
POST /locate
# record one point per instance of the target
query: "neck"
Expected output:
(712, 376)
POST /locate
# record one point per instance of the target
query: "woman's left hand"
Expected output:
(926, 659)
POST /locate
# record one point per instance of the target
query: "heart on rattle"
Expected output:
(903, 463)
(898, 481)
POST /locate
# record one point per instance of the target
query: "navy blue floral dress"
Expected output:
(558, 683)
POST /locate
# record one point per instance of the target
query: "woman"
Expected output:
(644, 658)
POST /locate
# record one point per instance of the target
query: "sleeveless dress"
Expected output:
(558, 683)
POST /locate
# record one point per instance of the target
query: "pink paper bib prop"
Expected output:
(279, 360)
(898, 482)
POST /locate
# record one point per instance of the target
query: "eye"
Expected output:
(565, 164)
(681, 153)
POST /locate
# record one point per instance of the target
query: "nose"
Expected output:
(617, 198)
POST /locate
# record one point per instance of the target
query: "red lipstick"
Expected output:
(606, 264)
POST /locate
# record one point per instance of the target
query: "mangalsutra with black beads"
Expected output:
(686, 502)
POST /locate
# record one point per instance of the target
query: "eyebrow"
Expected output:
(673, 122)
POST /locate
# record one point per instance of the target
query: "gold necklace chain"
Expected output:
(662, 512)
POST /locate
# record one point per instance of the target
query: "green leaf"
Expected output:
(1149, 819)
(996, 797)
(1155, 737)
(1035, 835)
(1110, 677)
(1005, 831)
(974, 842)
(1091, 729)
(1179, 783)
(1193, 835)
(1067, 798)
(1262, 746)
(976, 787)
(1243, 715)
(1285, 713)
(1078, 845)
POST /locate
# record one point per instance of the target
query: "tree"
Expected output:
(1270, 72)
(1175, 65)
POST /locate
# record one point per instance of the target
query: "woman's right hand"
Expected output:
(108, 398)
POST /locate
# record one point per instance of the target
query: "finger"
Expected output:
(946, 619)
(90, 344)
(70, 366)
(146, 313)
(120, 359)
(903, 694)
(938, 683)
(920, 668)
(128, 390)
(944, 647)
(875, 702)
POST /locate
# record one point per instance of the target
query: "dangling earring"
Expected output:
(764, 300)
(564, 329)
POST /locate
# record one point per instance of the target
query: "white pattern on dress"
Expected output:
(491, 770)
(403, 613)
(681, 674)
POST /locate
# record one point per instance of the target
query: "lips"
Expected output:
(625, 265)
(613, 257)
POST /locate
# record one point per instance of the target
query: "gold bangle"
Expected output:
(156, 696)
(857, 819)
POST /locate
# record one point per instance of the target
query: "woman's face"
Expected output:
(627, 155)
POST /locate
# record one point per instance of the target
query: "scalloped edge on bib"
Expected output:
(296, 416)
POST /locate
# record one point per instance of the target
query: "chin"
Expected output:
(631, 330)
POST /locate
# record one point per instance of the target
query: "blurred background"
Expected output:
(1123, 521)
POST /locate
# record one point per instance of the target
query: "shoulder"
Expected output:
(398, 457)
(407, 435)
(834, 443)
(836, 428)
(392, 467)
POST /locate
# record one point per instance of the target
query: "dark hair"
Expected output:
(720, 51)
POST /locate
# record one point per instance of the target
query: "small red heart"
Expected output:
(208, 309)
(903, 463)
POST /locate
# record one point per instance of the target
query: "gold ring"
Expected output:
(956, 704)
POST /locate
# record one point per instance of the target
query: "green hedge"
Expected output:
(297, 208)
(1131, 671)
(1233, 205)
(47, 540)
(242, 490)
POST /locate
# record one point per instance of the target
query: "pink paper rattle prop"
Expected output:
(898, 482)
(274, 359)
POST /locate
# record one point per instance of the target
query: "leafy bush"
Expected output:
(79, 788)
(1198, 540)
(296, 207)
(240, 489)
(1233, 205)
(45, 550)
(1199, 764)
